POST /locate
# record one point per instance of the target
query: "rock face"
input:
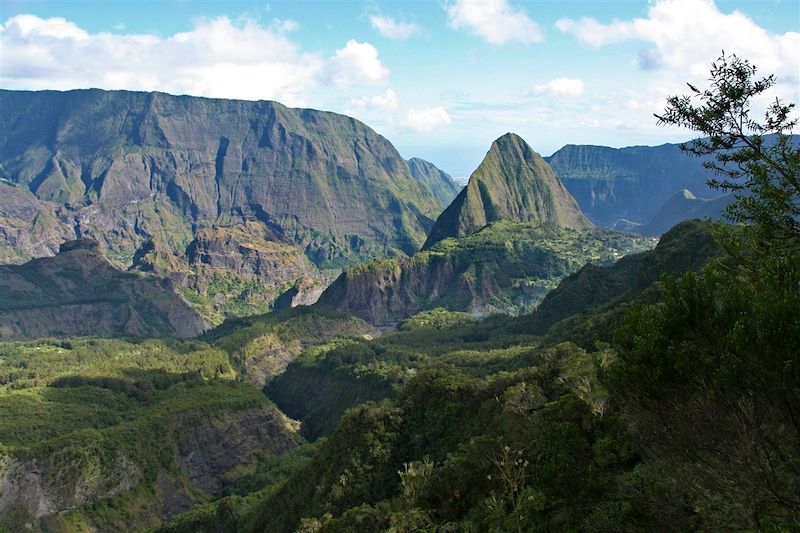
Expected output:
(205, 451)
(441, 184)
(685, 206)
(628, 183)
(512, 183)
(78, 292)
(127, 168)
(505, 267)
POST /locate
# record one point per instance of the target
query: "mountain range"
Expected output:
(150, 170)
(237, 316)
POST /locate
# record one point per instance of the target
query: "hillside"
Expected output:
(463, 408)
(78, 292)
(687, 247)
(127, 168)
(512, 183)
(441, 184)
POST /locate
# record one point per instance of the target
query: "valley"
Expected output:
(225, 315)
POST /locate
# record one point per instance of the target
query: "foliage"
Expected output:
(710, 377)
(766, 175)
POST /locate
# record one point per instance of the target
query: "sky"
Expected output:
(440, 79)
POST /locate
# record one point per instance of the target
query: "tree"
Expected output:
(763, 173)
(710, 377)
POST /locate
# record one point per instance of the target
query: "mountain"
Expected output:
(627, 183)
(128, 168)
(441, 184)
(623, 187)
(78, 292)
(512, 183)
(504, 267)
(684, 206)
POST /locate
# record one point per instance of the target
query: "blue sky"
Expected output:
(440, 79)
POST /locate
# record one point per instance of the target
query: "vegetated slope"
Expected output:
(78, 292)
(616, 186)
(592, 299)
(128, 167)
(441, 184)
(512, 183)
(482, 426)
(117, 435)
(109, 435)
(685, 206)
(505, 267)
(631, 183)
(262, 346)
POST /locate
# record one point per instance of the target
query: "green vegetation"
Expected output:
(687, 420)
(227, 295)
(78, 292)
(659, 393)
(113, 416)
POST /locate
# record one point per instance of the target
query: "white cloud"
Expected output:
(386, 100)
(496, 21)
(393, 29)
(561, 87)
(427, 119)
(357, 63)
(217, 58)
(686, 35)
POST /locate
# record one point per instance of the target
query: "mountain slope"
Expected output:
(512, 183)
(686, 247)
(441, 184)
(632, 183)
(627, 183)
(78, 292)
(684, 206)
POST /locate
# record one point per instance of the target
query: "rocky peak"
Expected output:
(512, 183)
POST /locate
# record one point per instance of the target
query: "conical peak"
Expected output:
(512, 183)
(511, 140)
(512, 146)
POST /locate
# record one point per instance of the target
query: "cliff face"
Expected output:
(505, 267)
(512, 183)
(631, 183)
(204, 454)
(78, 292)
(128, 168)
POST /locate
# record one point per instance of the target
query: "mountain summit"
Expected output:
(513, 183)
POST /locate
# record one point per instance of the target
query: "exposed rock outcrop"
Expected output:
(132, 168)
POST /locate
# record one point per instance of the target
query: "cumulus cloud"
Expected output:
(495, 21)
(387, 101)
(218, 57)
(357, 63)
(393, 29)
(561, 87)
(428, 118)
(686, 35)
